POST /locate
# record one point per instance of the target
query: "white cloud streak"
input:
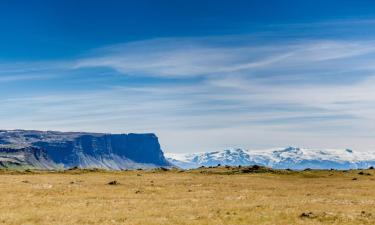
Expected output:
(182, 58)
(215, 93)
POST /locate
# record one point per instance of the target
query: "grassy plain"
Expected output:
(203, 196)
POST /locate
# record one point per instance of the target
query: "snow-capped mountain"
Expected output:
(291, 157)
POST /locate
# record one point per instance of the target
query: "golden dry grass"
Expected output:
(208, 196)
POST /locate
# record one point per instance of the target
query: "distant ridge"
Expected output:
(57, 150)
(284, 158)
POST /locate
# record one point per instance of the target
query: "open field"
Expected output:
(203, 196)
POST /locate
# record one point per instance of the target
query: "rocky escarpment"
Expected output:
(28, 157)
(50, 150)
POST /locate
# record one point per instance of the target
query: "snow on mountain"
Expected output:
(291, 157)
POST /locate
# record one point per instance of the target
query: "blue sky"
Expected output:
(202, 75)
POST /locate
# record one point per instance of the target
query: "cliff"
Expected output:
(51, 149)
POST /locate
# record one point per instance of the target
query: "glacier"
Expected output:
(278, 158)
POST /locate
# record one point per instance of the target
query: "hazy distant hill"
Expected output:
(51, 149)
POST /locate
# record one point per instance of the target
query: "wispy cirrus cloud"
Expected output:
(210, 92)
(29, 71)
(200, 57)
(279, 116)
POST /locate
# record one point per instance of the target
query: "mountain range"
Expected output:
(62, 150)
(280, 158)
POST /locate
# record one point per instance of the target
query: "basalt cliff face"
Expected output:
(54, 150)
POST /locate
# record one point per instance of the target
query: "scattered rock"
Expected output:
(355, 178)
(365, 214)
(308, 215)
(74, 168)
(137, 191)
(246, 170)
(363, 173)
(113, 182)
(255, 167)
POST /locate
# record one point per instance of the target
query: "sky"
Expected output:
(202, 75)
